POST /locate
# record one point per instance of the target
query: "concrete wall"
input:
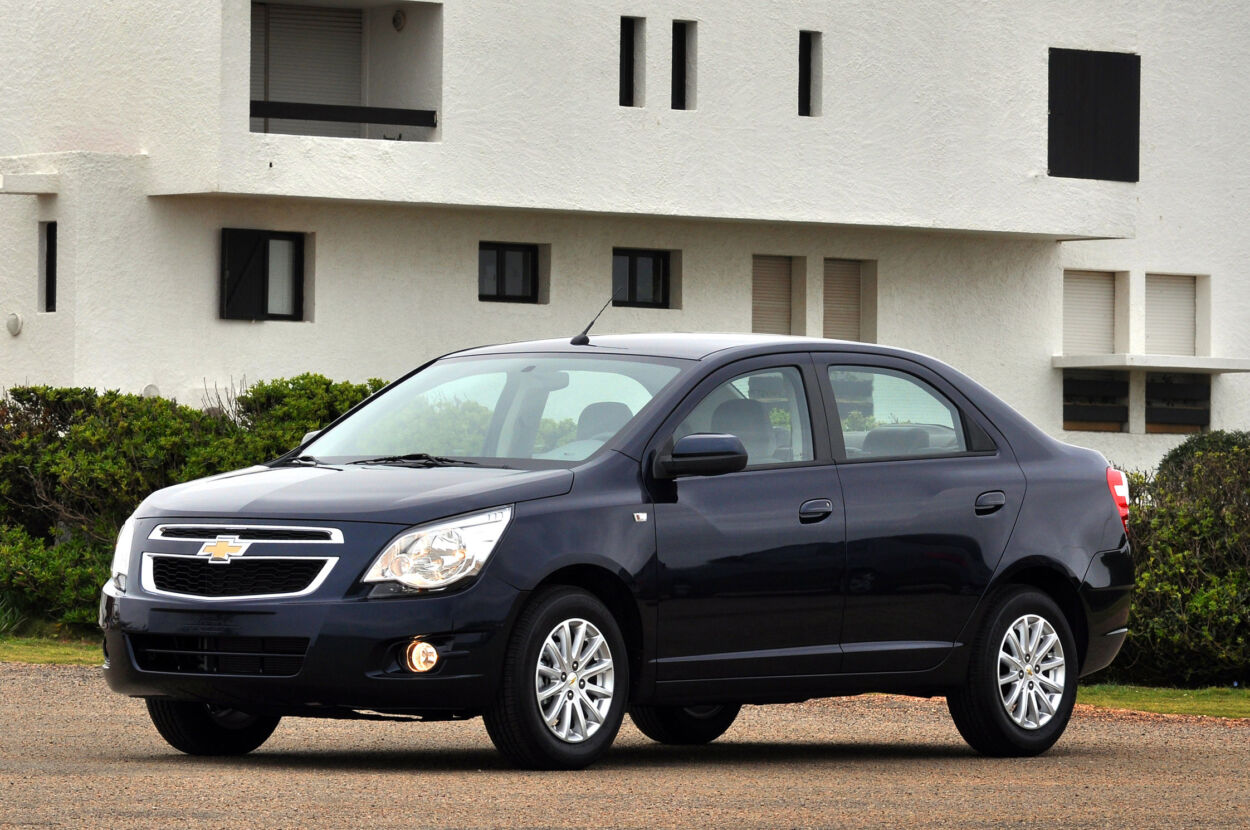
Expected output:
(390, 286)
(934, 115)
(1195, 182)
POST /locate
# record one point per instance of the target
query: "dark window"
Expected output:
(640, 278)
(1095, 401)
(888, 414)
(1177, 403)
(629, 60)
(262, 275)
(1095, 114)
(683, 52)
(809, 73)
(507, 273)
(47, 266)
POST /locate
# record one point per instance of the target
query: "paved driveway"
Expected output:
(73, 754)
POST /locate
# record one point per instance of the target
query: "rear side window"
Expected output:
(766, 409)
(889, 414)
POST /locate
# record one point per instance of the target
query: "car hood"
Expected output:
(393, 494)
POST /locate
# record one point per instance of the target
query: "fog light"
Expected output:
(420, 656)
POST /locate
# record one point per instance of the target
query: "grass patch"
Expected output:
(42, 650)
(1218, 702)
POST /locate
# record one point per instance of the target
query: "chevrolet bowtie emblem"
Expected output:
(220, 551)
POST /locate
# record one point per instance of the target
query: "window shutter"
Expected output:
(770, 294)
(243, 264)
(259, 26)
(314, 58)
(1088, 312)
(842, 299)
(1170, 312)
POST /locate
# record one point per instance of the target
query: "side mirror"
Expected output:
(702, 454)
(308, 436)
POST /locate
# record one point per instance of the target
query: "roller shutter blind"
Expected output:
(1088, 312)
(1170, 312)
(770, 294)
(307, 55)
(842, 281)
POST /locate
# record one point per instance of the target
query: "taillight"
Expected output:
(1118, 484)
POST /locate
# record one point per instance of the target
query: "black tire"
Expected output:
(684, 725)
(200, 729)
(979, 709)
(514, 720)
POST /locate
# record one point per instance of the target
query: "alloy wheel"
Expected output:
(1031, 671)
(574, 680)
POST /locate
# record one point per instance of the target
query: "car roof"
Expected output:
(688, 346)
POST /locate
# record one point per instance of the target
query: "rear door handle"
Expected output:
(988, 502)
(814, 510)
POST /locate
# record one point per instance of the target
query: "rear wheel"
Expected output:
(1022, 678)
(564, 686)
(201, 729)
(684, 724)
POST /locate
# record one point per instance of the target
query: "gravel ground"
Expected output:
(73, 754)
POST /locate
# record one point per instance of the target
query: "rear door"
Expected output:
(932, 492)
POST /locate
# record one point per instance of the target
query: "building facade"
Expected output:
(1045, 196)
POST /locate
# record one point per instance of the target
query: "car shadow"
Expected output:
(721, 754)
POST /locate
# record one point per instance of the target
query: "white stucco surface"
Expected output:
(927, 162)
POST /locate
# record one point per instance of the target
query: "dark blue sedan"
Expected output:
(552, 534)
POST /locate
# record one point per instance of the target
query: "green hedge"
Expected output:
(74, 463)
(1189, 525)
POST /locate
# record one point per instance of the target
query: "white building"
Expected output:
(911, 174)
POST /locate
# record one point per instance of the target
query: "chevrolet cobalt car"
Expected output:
(553, 534)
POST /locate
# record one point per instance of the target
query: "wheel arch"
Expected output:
(1060, 587)
(614, 593)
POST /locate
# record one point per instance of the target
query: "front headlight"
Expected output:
(121, 554)
(436, 555)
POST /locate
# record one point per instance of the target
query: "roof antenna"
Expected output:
(583, 339)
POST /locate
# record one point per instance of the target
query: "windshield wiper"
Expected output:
(302, 460)
(421, 458)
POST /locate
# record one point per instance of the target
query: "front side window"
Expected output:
(511, 410)
(766, 409)
(262, 275)
(640, 277)
(889, 414)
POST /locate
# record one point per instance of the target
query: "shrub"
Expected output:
(1190, 529)
(59, 581)
(1178, 459)
(74, 463)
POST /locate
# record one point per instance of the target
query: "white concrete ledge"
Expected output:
(1152, 363)
(30, 184)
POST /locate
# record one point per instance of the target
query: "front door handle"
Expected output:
(988, 502)
(814, 510)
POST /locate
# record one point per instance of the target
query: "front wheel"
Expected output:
(684, 724)
(1022, 678)
(201, 729)
(564, 686)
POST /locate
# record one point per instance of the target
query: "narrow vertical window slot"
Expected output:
(684, 64)
(809, 73)
(632, 61)
(47, 266)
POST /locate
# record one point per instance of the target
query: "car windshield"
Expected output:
(538, 410)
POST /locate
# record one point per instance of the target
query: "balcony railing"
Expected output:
(292, 111)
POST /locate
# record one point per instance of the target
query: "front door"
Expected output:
(751, 562)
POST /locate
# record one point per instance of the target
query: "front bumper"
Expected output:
(161, 646)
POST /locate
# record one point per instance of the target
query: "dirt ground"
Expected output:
(72, 754)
